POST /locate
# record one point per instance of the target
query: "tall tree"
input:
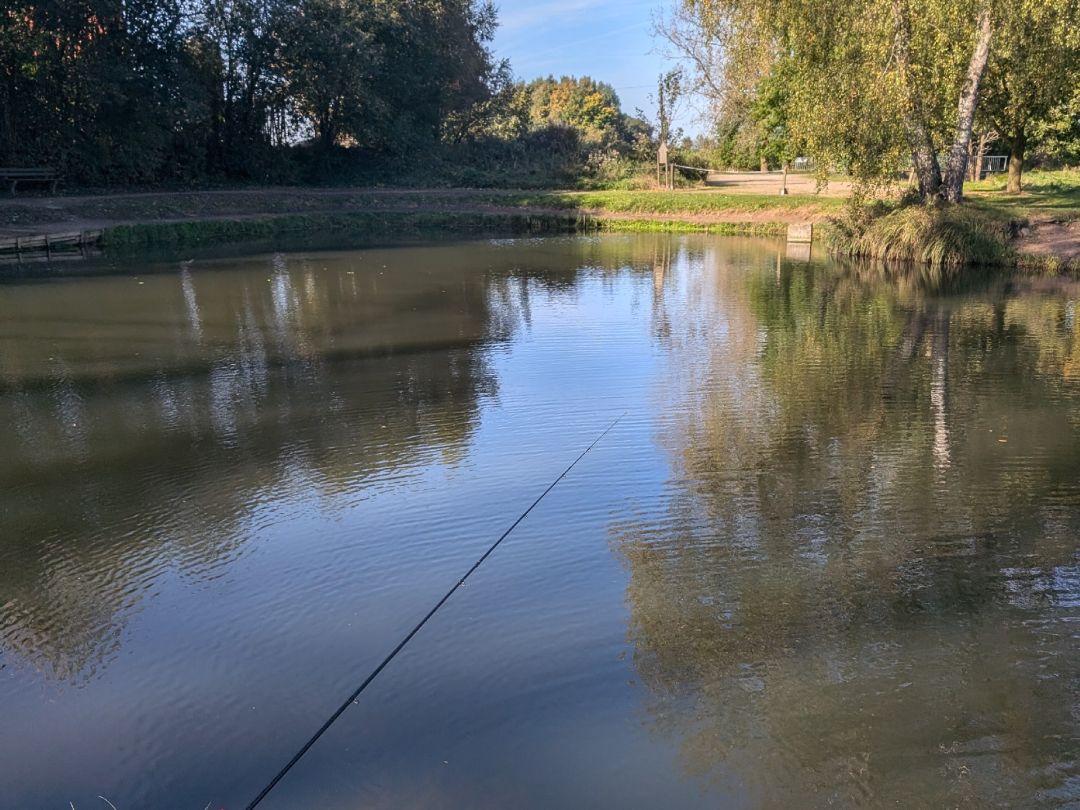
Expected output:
(245, 33)
(87, 86)
(769, 112)
(330, 58)
(580, 103)
(872, 80)
(113, 91)
(1034, 72)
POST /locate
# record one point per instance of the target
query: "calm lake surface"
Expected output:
(829, 556)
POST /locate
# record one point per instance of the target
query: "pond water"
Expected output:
(829, 555)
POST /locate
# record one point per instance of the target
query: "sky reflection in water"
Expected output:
(829, 555)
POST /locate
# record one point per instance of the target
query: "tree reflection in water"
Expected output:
(865, 588)
(858, 585)
(146, 420)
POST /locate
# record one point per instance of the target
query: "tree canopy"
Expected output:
(1033, 75)
(874, 86)
(149, 90)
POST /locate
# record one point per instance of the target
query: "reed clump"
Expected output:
(942, 237)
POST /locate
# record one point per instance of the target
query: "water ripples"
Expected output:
(827, 556)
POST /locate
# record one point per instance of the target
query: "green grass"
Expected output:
(310, 206)
(1046, 193)
(625, 201)
(404, 224)
(425, 212)
(376, 224)
(681, 226)
(667, 202)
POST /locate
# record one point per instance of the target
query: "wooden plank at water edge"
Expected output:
(800, 232)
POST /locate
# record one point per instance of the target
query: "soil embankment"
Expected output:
(29, 216)
(1058, 239)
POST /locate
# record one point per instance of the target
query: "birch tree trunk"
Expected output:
(956, 166)
(924, 160)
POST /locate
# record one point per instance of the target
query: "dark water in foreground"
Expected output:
(830, 555)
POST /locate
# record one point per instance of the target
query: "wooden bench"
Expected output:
(16, 176)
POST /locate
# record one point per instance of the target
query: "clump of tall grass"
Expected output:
(942, 237)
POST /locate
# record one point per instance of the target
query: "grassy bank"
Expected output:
(406, 224)
(28, 212)
(600, 223)
(683, 203)
(982, 231)
(1034, 229)
(944, 238)
(1046, 194)
(368, 223)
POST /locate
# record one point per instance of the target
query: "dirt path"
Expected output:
(1053, 238)
(772, 182)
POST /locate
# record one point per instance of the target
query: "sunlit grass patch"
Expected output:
(671, 202)
(1044, 191)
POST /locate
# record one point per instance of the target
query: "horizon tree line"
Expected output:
(163, 91)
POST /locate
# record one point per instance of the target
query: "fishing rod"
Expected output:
(409, 636)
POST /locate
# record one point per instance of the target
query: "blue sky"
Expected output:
(610, 40)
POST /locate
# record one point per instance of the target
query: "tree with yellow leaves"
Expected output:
(876, 85)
